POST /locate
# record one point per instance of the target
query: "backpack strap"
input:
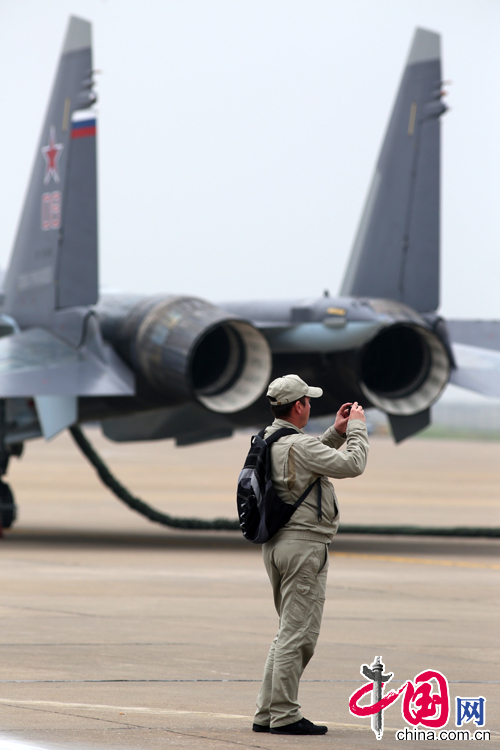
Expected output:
(282, 432)
(272, 439)
(305, 494)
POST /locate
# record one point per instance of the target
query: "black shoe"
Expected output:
(261, 728)
(304, 726)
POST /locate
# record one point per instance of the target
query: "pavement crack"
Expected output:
(130, 725)
(49, 611)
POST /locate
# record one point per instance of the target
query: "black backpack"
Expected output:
(261, 511)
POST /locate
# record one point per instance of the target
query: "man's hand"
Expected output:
(342, 418)
(357, 412)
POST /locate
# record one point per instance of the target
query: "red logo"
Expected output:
(51, 210)
(426, 700)
(51, 154)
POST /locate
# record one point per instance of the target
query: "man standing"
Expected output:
(296, 558)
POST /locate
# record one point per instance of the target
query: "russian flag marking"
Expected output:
(83, 128)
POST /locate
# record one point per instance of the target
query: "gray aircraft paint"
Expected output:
(398, 257)
(321, 337)
(55, 413)
(404, 427)
(78, 36)
(51, 330)
(478, 369)
(188, 424)
(426, 46)
(76, 272)
(37, 363)
(54, 259)
(482, 333)
(52, 278)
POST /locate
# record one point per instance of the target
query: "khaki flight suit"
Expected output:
(296, 558)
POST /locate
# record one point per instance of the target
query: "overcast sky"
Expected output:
(237, 137)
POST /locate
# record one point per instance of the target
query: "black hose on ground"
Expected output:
(452, 531)
(226, 524)
(218, 524)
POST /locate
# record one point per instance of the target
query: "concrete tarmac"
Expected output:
(117, 633)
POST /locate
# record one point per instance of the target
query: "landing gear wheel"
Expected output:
(8, 509)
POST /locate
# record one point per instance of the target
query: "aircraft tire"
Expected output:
(8, 509)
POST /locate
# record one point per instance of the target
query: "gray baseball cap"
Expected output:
(290, 388)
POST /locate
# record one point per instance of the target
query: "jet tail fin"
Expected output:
(396, 250)
(54, 259)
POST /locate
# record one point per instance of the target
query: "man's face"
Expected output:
(305, 412)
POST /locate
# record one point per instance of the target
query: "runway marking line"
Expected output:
(123, 710)
(418, 560)
(129, 709)
(170, 712)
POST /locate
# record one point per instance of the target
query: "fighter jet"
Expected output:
(175, 366)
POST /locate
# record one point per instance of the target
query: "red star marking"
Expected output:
(51, 154)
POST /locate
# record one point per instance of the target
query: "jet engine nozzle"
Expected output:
(186, 347)
(404, 368)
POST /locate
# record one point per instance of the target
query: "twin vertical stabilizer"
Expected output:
(55, 352)
(54, 260)
(396, 250)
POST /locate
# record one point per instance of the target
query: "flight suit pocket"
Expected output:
(335, 506)
(305, 590)
(301, 602)
(326, 561)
